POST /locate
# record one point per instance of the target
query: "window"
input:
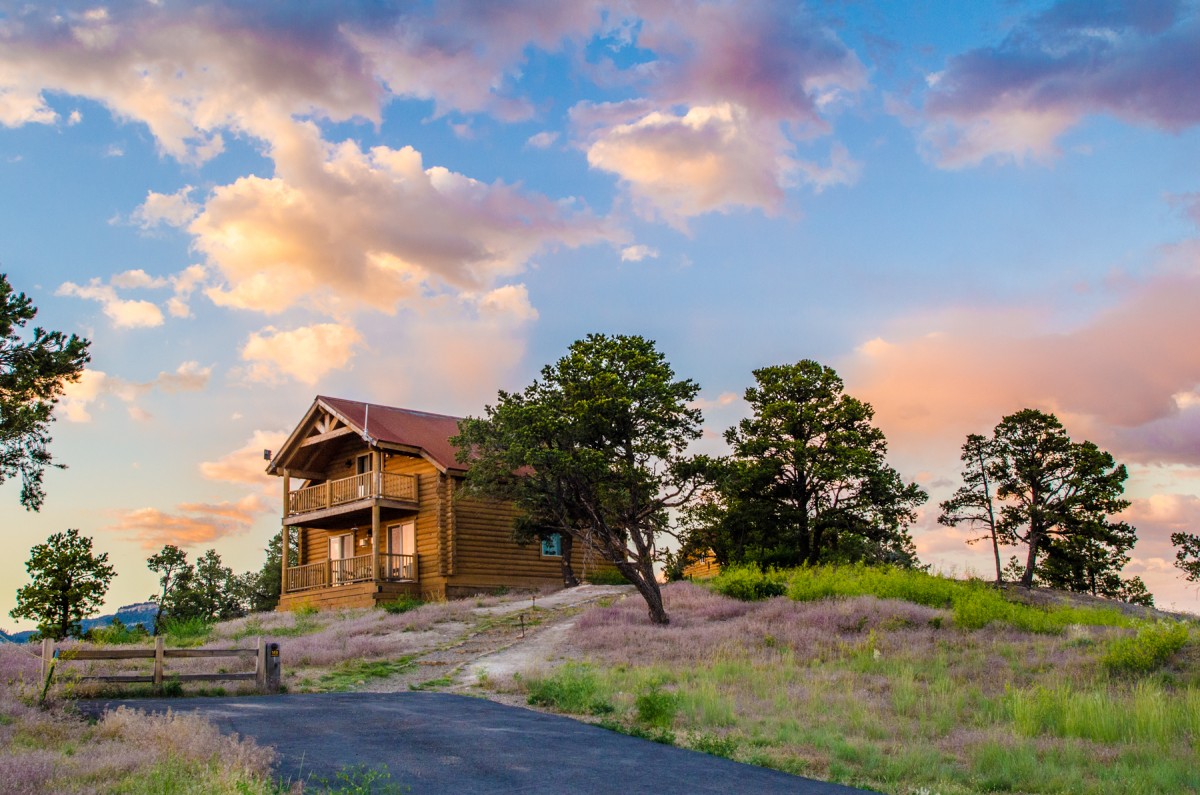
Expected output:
(552, 546)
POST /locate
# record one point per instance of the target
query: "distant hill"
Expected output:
(137, 613)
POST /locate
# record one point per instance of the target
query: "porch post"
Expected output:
(377, 470)
(375, 541)
(285, 539)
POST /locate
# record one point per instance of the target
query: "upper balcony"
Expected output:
(349, 494)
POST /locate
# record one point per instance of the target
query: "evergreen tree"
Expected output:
(68, 583)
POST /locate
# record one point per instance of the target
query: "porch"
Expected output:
(343, 493)
(346, 571)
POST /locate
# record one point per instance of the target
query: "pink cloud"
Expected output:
(1133, 60)
(194, 523)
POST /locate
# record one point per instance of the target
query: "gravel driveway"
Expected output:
(445, 743)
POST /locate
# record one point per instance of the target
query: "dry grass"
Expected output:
(886, 694)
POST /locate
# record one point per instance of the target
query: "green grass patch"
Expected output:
(607, 576)
(1146, 651)
(974, 603)
(402, 604)
(1145, 713)
(183, 632)
(359, 780)
(354, 673)
(574, 688)
(656, 707)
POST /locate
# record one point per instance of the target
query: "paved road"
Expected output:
(443, 743)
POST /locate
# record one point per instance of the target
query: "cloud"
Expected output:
(172, 209)
(20, 106)
(542, 140)
(340, 227)
(1136, 61)
(304, 354)
(192, 524)
(124, 313)
(246, 465)
(1120, 377)
(638, 253)
(95, 384)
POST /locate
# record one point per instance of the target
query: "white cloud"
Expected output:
(124, 313)
(246, 465)
(542, 140)
(172, 209)
(637, 253)
(304, 354)
(92, 385)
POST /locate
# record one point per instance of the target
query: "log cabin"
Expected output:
(371, 494)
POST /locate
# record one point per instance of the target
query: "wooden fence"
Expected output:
(266, 674)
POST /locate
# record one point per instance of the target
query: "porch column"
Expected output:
(377, 471)
(375, 531)
(283, 547)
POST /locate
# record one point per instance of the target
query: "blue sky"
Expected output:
(418, 204)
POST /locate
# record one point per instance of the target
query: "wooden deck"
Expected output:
(332, 573)
(370, 485)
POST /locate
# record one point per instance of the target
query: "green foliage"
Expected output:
(749, 582)
(715, 745)
(183, 632)
(117, 633)
(574, 688)
(33, 373)
(974, 502)
(67, 581)
(656, 707)
(354, 673)
(807, 481)
(1144, 713)
(594, 450)
(359, 780)
(1187, 555)
(974, 603)
(207, 591)
(607, 576)
(403, 603)
(1148, 649)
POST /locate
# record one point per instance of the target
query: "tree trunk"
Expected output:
(996, 550)
(648, 587)
(1031, 561)
(567, 541)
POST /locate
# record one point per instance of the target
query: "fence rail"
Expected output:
(266, 673)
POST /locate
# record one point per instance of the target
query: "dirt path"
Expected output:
(507, 638)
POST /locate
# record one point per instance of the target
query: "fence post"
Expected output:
(260, 667)
(274, 669)
(158, 663)
(47, 656)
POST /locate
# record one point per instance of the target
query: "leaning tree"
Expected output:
(593, 450)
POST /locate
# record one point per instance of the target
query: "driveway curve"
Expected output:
(445, 743)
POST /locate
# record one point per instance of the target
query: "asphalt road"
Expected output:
(443, 743)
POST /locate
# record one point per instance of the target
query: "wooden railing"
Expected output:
(398, 567)
(266, 673)
(389, 485)
(392, 568)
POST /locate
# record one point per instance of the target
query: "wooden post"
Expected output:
(158, 663)
(377, 470)
(47, 657)
(285, 541)
(328, 493)
(260, 668)
(375, 541)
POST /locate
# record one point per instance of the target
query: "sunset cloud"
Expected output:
(304, 354)
(1014, 100)
(94, 384)
(246, 465)
(123, 312)
(192, 524)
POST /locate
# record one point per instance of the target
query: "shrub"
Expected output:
(403, 604)
(185, 631)
(1152, 646)
(574, 688)
(657, 707)
(750, 583)
(607, 576)
(118, 633)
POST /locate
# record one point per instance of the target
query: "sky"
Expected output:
(965, 209)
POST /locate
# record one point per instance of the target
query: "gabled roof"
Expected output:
(417, 432)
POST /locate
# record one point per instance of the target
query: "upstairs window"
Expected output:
(552, 546)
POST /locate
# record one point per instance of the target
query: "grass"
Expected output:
(403, 604)
(355, 673)
(931, 686)
(183, 632)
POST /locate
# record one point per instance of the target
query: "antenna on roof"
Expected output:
(366, 424)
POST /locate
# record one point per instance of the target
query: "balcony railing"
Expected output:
(388, 485)
(328, 573)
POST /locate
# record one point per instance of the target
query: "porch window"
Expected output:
(552, 546)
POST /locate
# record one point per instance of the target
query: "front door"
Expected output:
(402, 546)
(340, 548)
(362, 466)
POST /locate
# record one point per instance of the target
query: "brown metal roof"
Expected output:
(390, 425)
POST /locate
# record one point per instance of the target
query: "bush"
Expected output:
(573, 688)
(657, 707)
(117, 633)
(750, 583)
(607, 576)
(185, 631)
(403, 604)
(1152, 646)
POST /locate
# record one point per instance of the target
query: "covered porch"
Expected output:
(357, 569)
